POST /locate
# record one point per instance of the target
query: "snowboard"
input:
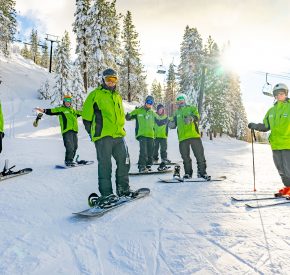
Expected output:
(11, 174)
(80, 163)
(171, 163)
(176, 180)
(98, 212)
(35, 122)
(168, 170)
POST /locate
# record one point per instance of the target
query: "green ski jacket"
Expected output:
(103, 114)
(67, 117)
(161, 126)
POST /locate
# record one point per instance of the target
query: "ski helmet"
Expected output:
(67, 98)
(280, 87)
(109, 73)
(181, 97)
(149, 100)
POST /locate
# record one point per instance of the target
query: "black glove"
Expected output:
(2, 135)
(128, 117)
(252, 126)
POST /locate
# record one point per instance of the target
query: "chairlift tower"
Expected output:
(51, 38)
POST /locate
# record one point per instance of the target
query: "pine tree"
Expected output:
(171, 88)
(8, 24)
(44, 57)
(34, 52)
(77, 87)
(62, 71)
(191, 63)
(44, 92)
(156, 91)
(25, 52)
(132, 78)
(80, 27)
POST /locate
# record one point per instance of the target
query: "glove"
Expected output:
(188, 120)
(171, 124)
(128, 117)
(2, 135)
(252, 126)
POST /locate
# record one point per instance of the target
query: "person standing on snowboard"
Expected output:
(277, 120)
(69, 127)
(185, 119)
(104, 120)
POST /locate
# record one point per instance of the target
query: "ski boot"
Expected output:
(95, 200)
(162, 167)
(283, 192)
(176, 173)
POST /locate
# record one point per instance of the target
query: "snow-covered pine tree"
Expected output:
(8, 24)
(25, 52)
(80, 26)
(132, 78)
(44, 92)
(156, 91)
(101, 39)
(214, 115)
(34, 52)
(62, 72)
(77, 86)
(190, 67)
(171, 88)
(44, 62)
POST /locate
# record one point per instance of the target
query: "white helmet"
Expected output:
(181, 97)
(278, 87)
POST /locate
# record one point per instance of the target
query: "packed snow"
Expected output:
(181, 228)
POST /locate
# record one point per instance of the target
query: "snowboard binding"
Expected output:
(176, 173)
(7, 171)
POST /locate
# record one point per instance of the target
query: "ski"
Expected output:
(77, 164)
(256, 199)
(11, 174)
(177, 180)
(98, 212)
(151, 172)
(35, 122)
(267, 205)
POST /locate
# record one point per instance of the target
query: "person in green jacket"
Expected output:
(1, 127)
(144, 132)
(277, 120)
(69, 127)
(104, 120)
(185, 119)
(161, 134)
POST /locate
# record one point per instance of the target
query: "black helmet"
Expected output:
(109, 72)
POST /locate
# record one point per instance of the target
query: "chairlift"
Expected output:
(267, 88)
(161, 69)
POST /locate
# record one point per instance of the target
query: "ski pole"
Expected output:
(253, 136)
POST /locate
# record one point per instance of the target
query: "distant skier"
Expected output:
(277, 119)
(69, 127)
(1, 127)
(104, 120)
(144, 131)
(161, 134)
(185, 119)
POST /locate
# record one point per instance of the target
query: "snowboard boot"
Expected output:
(187, 176)
(127, 193)
(149, 167)
(162, 167)
(166, 161)
(204, 176)
(69, 163)
(283, 192)
(102, 201)
(142, 169)
(176, 173)
(155, 161)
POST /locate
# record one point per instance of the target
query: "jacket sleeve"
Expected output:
(161, 122)
(53, 112)
(132, 115)
(88, 112)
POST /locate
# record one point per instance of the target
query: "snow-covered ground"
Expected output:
(182, 228)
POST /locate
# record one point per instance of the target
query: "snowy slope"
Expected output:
(184, 228)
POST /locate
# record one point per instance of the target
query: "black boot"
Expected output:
(176, 173)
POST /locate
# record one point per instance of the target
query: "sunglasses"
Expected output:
(112, 79)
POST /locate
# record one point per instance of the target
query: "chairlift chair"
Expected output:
(267, 88)
(161, 69)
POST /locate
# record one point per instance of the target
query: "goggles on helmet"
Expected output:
(149, 101)
(180, 98)
(67, 99)
(111, 78)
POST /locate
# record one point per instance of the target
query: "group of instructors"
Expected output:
(104, 119)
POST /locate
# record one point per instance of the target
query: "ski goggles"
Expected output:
(110, 78)
(149, 102)
(67, 99)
